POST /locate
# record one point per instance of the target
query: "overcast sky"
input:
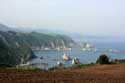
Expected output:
(91, 17)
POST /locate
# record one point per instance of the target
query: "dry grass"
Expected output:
(91, 74)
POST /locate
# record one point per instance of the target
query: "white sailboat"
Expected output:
(65, 57)
(88, 47)
(75, 61)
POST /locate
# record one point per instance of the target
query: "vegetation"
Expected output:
(118, 61)
(94, 74)
(12, 52)
(103, 59)
(11, 67)
(77, 66)
(15, 47)
(57, 68)
(35, 39)
(28, 67)
(5, 65)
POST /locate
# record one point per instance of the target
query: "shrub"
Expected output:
(103, 59)
(78, 66)
(5, 65)
(57, 68)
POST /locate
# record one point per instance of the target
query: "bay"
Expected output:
(51, 57)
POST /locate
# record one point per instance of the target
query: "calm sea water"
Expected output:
(50, 58)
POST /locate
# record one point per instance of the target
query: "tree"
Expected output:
(103, 59)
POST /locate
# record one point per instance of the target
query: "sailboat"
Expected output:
(65, 57)
(88, 47)
(75, 61)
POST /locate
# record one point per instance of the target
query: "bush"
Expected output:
(103, 59)
(78, 66)
(5, 65)
(57, 68)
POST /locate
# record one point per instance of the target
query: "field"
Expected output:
(92, 74)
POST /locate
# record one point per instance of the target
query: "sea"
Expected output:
(51, 57)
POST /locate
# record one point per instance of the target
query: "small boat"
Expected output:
(75, 61)
(58, 49)
(88, 47)
(114, 51)
(67, 49)
(65, 57)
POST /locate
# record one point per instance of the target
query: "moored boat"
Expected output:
(65, 57)
(75, 61)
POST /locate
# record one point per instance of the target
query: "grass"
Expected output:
(77, 66)
(57, 68)
(95, 74)
(26, 68)
(9, 67)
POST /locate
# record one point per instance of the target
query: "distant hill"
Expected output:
(13, 51)
(15, 47)
(35, 39)
(39, 37)
(4, 27)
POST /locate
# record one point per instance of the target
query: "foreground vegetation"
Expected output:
(102, 60)
(77, 66)
(10, 67)
(79, 73)
(93, 74)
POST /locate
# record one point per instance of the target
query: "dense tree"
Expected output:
(103, 59)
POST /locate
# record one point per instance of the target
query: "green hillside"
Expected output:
(15, 47)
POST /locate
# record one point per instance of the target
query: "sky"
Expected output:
(90, 17)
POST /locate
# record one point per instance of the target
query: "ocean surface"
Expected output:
(51, 57)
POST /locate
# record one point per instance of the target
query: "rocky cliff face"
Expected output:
(15, 47)
(12, 51)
